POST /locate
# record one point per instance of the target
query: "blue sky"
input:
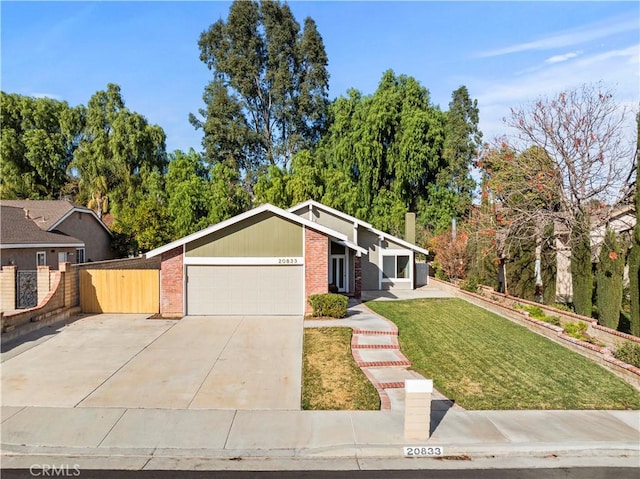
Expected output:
(506, 53)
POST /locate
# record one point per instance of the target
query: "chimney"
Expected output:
(410, 228)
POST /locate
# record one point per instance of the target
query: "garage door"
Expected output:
(245, 290)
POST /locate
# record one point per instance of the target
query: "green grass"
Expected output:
(484, 361)
(331, 379)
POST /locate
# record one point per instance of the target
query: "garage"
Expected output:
(245, 289)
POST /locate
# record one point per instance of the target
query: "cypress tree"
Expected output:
(581, 273)
(609, 280)
(634, 255)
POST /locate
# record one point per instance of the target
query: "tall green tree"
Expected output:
(581, 266)
(450, 196)
(187, 187)
(116, 145)
(268, 96)
(39, 137)
(609, 274)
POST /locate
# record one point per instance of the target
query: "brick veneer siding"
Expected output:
(172, 283)
(357, 290)
(316, 264)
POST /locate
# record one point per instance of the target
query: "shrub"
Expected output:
(470, 284)
(328, 305)
(555, 320)
(579, 331)
(629, 353)
(563, 307)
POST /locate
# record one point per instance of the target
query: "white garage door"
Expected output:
(245, 290)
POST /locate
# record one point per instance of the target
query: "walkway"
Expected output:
(376, 350)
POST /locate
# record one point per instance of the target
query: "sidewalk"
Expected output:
(233, 439)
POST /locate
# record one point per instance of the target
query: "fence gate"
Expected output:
(26, 289)
(120, 291)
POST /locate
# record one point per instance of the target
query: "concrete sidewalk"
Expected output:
(235, 439)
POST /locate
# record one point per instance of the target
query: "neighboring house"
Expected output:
(49, 232)
(622, 221)
(269, 261)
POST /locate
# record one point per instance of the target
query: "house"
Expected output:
(49, 232)
(622, 220)
(269, 261)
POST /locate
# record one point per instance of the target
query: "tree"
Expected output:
(116, 145)
(582, 132)
(451, 194)
(187, 187)
(609, 274)
(634, 254)
(452, 254)
(39, 136)
(268, 96)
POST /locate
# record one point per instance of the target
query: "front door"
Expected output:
(338, 272)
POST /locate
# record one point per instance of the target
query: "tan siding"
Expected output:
(87, 229)
(25, 258)
(119, 291)
(263, 235)
(369, 262)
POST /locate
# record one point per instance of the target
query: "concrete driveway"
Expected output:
(127, 361)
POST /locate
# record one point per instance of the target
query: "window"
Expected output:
(41, 258)
(62, 257)
(79, 255)
(396, 267)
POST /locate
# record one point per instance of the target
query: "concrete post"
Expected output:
(8, 288)
(417, 410)
(44, 282)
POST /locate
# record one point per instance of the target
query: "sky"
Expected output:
(508, 54)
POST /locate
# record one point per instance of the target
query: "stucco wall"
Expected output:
(25, 258)
(87, 229)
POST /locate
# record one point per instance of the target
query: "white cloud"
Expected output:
(576, 36)
(616, 69)
(563, 58)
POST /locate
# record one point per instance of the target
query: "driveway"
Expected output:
(199, 362)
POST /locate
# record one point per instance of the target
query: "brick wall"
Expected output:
(357, 290)
(171, 283)
(8, 288)
(316, 264)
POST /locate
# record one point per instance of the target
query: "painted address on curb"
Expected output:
(423, 451)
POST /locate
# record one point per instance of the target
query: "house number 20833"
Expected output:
(287, 260)
(423, 451)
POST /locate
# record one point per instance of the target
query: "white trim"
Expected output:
(41, 245)
(360, 222)
(84, 255)
(311, 203)
(304, 271)
(263, 260)
(395, 253)
(38, 253)
(345, 267)
(353, 246)
(401, 242)
(236, 219)
(80, 210)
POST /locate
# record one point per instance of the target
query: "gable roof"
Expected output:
(248, 214)
(18, 231)
(364, 224)
(48, 214)
(333, 211)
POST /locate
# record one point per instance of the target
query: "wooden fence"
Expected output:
(120, 291)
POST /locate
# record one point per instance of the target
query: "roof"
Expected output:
(48, 214)
(17, 231)
(248, 214)
(364, 224)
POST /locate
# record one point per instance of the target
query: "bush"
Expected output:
(629, 353)
(328, 305)
(579, 331)
(470, 284)
(563, 307)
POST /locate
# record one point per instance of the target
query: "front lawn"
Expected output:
(331, 379)
(484, 361)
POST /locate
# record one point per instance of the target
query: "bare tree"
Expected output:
(569, 158)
